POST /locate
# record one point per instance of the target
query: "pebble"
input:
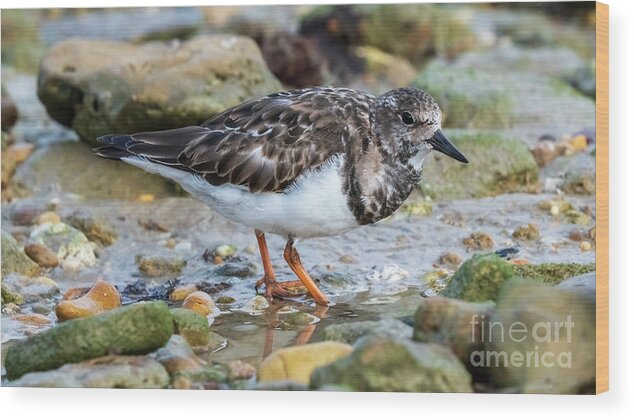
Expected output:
(199, 302)
(75, 292)
(181, 292)
(255, 306)
(183, 246)
(10, 308)
(450, 259)
(225, 251)
(170, 243)
(528, 232)
(585, 246)
(347, 259)
(545, 152)
(48, 217)
(100, 298)
(478, 240)
(241, 370)
(42, 255)
(32, 319)
(225, 300)
(19, 151)
(145, 198)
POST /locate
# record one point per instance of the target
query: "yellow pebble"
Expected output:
(48, 217)
(199, 302)
(585, 246)
(297, 363)
(145, 198)
(180, 293)
(101, 297)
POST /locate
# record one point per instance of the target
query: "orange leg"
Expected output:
(273, 288)
(295, 263)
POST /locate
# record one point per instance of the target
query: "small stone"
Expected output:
(192, 326)
(577, 217)
(241, 370)
(218, 260)
(170, 243)
(100, 298)
(348, 259)
(528, 232)
(450, 259)
(225, 251)
(96, 228)
(478, 241)
(545, 152)
(181, 292)
(585, 246)
(297, 363)
(153, 225)
(75, 292)
(301, 318)
(48, 217)
(43, 256)
(33, 319)
(71, 246)
(10, 308)
(351, 332)
(199, 302)
(183, 246)
(479, 279)
(177, 356)
(225, 300)
(160, 266)
(575, 144)
(255, 306)
(28, 289)
(577, 235)
(19, 151)
(239, 269)
(145, 198)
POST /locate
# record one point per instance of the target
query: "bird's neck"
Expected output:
(378, 184)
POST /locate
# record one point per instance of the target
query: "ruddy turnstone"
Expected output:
(303, 163)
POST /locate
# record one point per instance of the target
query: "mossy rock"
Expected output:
(21, 45)
(388, 365)
(467, 98)
(552, 273)
(14, 259)
(136, 329)
(192, 326)
(496, 166)
(479, 279)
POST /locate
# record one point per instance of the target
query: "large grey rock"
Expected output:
(72, 167)
(555, 354)
(511, 168)
(99, 87)
(103, 372)
(380, 364)
(350, 332)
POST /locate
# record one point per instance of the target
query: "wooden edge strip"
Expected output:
(602, 197)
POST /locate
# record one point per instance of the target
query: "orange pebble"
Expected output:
(199, 302)
(101, 297)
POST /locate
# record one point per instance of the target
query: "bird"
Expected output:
(302, 163)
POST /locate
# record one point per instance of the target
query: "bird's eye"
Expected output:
(407, 118)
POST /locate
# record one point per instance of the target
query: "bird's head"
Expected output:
(406, 122)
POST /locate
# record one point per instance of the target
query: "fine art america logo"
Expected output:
(536, 340)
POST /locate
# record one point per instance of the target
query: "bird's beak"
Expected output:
(440, 143)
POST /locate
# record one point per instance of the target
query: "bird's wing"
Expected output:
(263, 144)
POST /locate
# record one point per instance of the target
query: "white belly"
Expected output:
(314, 206)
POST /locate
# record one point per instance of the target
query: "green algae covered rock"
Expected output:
(135, 329)
(552, 273)
(192, 326)
(382, 364)
(350, 332)
(497, 165)
(14, 260)
(479, 279)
